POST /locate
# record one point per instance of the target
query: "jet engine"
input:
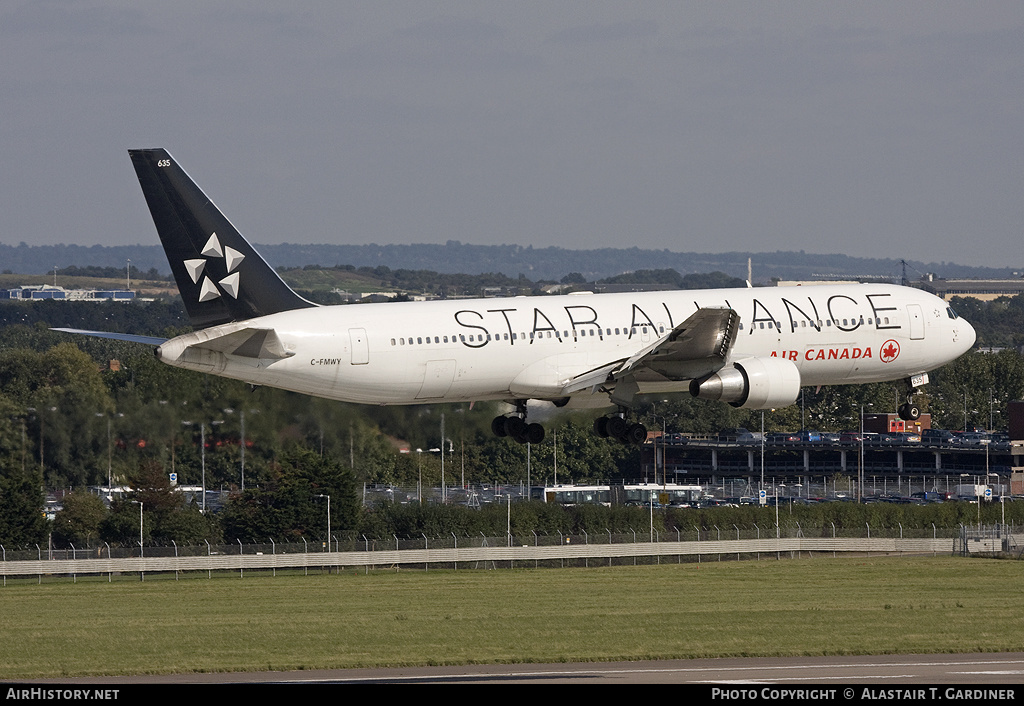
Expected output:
(754, 383)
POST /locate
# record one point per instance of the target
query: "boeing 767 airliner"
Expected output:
(750, 348)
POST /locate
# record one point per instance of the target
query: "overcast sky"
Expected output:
(875, 129)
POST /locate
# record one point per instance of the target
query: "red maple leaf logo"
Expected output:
(889, 351)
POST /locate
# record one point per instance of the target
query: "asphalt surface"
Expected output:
(828, 672)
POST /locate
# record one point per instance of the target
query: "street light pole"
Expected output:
(328, 519)
(419, 469)
(762, 455)
(442, 459)
(202, 452)
(242, 418)
(860, 479)
(139, 503)
(965, 409)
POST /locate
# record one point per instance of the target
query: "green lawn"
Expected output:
(804, 606)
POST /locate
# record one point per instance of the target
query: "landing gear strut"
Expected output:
(909, 411)
(515, 427)
(615, 426)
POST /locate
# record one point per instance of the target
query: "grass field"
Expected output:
(288, 622)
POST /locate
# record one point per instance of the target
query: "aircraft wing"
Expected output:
(695, 348)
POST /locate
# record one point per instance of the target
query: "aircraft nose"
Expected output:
(967, 335)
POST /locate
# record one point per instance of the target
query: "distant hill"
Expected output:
(535, 264)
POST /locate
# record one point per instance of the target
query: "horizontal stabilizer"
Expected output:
(148, 340)
(248, 343)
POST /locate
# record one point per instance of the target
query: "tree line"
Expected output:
(77, 412)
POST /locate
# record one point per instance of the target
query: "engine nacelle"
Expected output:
(754, 383)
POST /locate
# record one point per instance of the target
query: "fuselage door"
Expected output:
(437, 379)
(360, 348)
(916, 322)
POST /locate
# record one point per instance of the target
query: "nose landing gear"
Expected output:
(909, 411)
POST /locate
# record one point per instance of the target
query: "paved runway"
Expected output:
(887, 670)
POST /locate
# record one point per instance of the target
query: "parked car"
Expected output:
(938, 437)
(737, 435)
(782, 437)
(1000, 441)
(973, 438)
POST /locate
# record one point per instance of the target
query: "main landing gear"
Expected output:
(515, 427)
(615, 426)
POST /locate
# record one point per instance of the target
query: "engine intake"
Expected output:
(754, 383)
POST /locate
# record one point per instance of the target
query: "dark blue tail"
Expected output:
(220, 276)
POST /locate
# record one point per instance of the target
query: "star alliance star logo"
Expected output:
(889, 351)
(232, 259)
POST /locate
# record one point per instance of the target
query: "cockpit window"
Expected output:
(950, 313)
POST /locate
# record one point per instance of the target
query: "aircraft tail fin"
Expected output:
(220, 276)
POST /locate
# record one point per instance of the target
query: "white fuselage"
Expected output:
(532, 347)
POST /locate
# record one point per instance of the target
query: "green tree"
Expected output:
(21, 512)
(293, 503)
(78, 522)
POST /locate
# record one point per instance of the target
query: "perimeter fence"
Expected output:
(510, 551)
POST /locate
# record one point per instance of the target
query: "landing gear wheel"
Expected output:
(514, 427)
(498, 426)
(616, 427)
(909, 412)
(636, 434)
(534, 433)
(601, 427)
